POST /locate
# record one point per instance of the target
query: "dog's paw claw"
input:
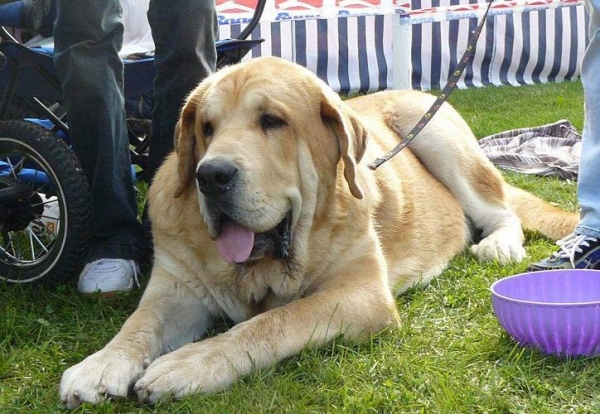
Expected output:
(102, 390)
(142, 393)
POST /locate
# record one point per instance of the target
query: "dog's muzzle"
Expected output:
(216, 177)
(237, 243)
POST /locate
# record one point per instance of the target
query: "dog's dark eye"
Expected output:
(268, 121)
(207, 129)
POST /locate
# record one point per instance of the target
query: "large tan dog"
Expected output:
(268, 214)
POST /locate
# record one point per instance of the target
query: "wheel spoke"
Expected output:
(15, 169)
(6, 241)
(46, 231)
(10, 245)
(33, 237)
(42, 188)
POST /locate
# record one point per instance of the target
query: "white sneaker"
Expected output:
(108, 276)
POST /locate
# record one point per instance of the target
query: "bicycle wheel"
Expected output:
(44, 206)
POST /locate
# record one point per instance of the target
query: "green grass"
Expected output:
(496, 109)
(449, 356)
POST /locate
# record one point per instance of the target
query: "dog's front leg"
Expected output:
(168, 316)
(213, 364)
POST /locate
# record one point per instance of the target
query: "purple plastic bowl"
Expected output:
(555, 311)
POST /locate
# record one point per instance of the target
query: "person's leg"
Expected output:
(33, 14)
(87, 41)
(582, 248)
(10, 14)
(47, 27)
(184, 34)
(589, 169)
(24, 14)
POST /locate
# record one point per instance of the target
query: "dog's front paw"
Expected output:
(101, 376)
(503, 246)
(195, 368)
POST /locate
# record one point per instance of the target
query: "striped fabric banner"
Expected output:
(354, 53)
(514, 49)
(349, 53)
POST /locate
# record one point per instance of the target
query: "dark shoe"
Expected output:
(577, 251)
(33, 13)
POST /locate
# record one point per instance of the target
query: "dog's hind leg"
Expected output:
(449, 150)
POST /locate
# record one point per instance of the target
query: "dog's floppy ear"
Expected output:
(185, 147)
(351, 136)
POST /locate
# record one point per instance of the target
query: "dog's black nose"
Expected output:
(216, 177)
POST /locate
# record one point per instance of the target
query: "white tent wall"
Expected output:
(539, 42)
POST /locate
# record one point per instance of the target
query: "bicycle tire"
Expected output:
(27, 147)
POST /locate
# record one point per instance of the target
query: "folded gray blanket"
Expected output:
(547, 150)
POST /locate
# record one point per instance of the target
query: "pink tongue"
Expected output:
(235, 242)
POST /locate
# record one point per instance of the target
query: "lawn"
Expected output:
(449, 356)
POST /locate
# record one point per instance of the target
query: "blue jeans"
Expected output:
(87, 41)
(589, 169)
(184, 33)
(10, 14)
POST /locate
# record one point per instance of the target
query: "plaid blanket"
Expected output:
(547, 150)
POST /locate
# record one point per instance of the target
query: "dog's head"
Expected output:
(264, 142)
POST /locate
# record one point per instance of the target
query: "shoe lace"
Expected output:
(571, 245)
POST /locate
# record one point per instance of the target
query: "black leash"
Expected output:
(450, 85)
